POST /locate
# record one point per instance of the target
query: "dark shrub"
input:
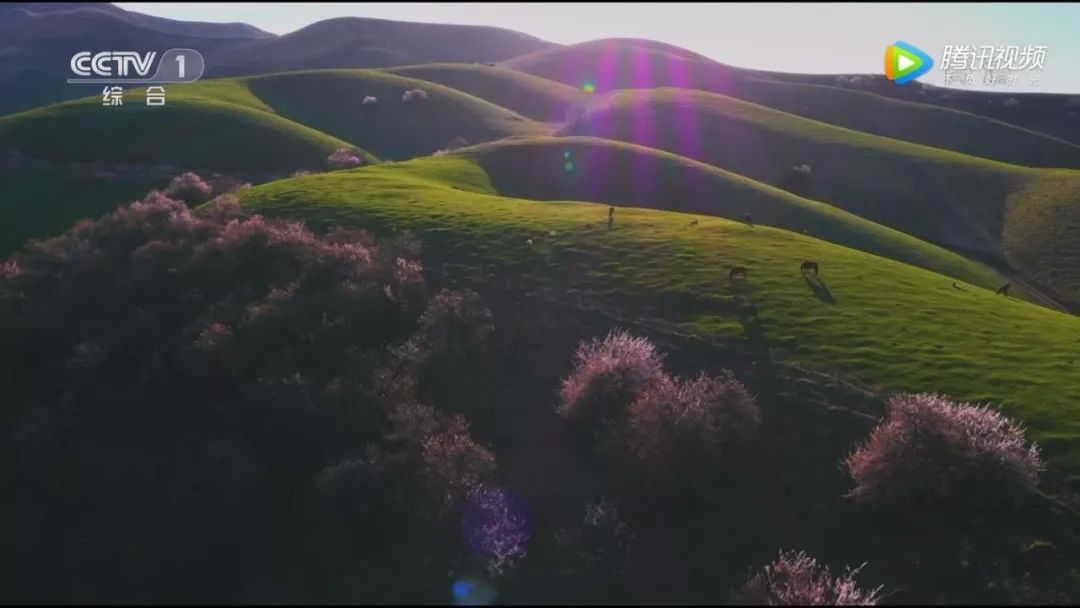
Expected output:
(189, 188)
(176, 383)
(678, 429)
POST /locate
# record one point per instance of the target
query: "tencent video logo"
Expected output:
(904, 63)
(175, 66)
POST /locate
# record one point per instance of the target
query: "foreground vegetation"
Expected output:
(264, 413)
(877, 320)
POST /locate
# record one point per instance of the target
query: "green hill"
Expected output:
(613, 64)
(392, 129)
(919, 123)
(600, 170)
(44, 201)
(186, 132)
(875, 319)
(79, 159)
(958, 201)
(257, 128)
(531, 96)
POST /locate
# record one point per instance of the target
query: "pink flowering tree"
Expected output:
(343, 158)
(931, 448)
(796, 579)
(679, 429)
(189, 188)
(608, 375)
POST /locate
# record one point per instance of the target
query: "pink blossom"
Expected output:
(796, 579)
(930, 445)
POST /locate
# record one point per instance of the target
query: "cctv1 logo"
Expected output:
(175, 66)
(904, 63)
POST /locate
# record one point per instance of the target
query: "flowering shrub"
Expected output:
(189, 188)
(209, 367)
(9, 269)
(608, 374)
(496, 527)
(412, 94)
(796, 579)
(931, 448)
(681, 426)
(457, 142)
(369, 99)
(342, 158)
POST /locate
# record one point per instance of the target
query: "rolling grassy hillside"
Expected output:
(44, 201)
(915, 122)
(392, 129)
(354, 42)
(951, 199)
(136, 148)
(878, 320)
(331, 101)
(187, 133)
(37, 41)
(597, 170)
(531, 96)
(638, 64)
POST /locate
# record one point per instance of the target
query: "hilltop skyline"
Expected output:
(802, 38)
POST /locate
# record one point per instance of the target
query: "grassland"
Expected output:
(392, 129)
(951, 199)
(600, 170)
(531, 96)
(919, 123)
(42, 202)
(881, 321)
(613, 64)
(243, 139)
(331, 101)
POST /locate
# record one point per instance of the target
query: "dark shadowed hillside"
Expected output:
(353, 42)
(37, 42)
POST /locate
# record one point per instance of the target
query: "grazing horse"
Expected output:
(736, 271)
(1004, 289)
(809, 265)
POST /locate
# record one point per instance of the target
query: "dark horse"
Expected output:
(809, 265)
(736, 271)
(1004, 289)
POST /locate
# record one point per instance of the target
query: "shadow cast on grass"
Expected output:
(820, 289)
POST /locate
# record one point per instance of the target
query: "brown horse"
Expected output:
(737, 271)
(809, 265)
(1004, 289)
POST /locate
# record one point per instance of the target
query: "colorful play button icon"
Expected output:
(904, 63)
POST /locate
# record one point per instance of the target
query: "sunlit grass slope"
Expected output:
(186, 132)
(948, 198)
(531, 96)
(601, 170)
(392, 129)
(136, 148)
(879, 320)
